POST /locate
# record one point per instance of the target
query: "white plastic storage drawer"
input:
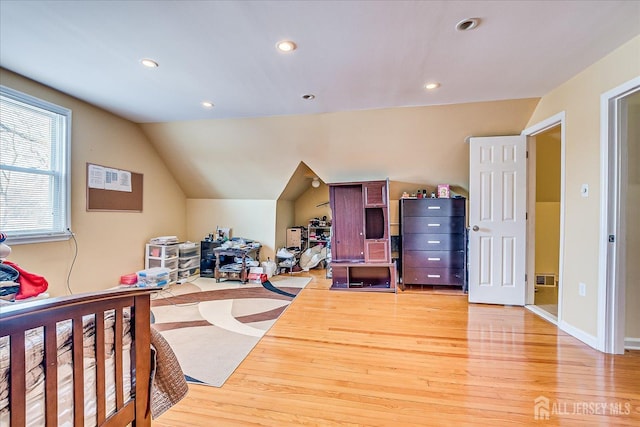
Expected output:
(171, 264)
(190, 262)
(184, 273)
(188, 250)
(162, 251)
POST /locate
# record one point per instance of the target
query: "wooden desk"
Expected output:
(243, 253)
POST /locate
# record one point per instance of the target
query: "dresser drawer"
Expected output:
(433, 259)
(433, 242)
(432, 276)
(433, 225)
(433, 207)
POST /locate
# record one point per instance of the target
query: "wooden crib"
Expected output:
(121, 314)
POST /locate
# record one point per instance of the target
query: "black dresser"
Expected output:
(433, 241)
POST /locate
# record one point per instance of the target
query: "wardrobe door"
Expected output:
(375, 194)
(347, 239)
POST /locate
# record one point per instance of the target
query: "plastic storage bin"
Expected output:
(173, 276)
(190, 262)
(156, 276)
(162, 251)
(188, 250)
(187, 272)
(171, 264)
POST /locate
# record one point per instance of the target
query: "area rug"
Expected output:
(212, 326)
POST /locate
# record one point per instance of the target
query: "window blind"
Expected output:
(34, 182)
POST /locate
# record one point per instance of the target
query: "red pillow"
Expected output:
(30, 284)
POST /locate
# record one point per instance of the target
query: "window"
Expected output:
(34, 168)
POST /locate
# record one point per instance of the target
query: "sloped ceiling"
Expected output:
(256, 158)
(299, 182)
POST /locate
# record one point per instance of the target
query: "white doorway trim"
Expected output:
(540, 312)
(532, 131)
(611, 304)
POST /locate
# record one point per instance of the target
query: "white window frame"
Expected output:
(60, 168)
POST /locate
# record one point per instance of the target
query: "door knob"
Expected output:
(475, 228)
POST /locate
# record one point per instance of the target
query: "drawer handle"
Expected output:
(434, 276)
(433, 259)
(433, 207)
(433, 225)
(433, 242)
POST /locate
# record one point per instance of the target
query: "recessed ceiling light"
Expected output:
(431, 86)
(467, 24)
(207, 104)
(308, 97)
(149, 63)
(286, 46)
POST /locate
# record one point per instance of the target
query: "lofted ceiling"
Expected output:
(352, 55)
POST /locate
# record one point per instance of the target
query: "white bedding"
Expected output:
(34, 361)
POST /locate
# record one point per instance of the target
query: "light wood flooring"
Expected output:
(415, 359)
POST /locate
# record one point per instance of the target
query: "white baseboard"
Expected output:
(631, 343)
(544, 314)
(590, 340)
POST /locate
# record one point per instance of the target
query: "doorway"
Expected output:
(545, 217)
(618, 318)
(546, 212)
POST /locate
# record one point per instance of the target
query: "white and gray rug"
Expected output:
(212, 326)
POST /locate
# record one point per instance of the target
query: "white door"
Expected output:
(497, 219)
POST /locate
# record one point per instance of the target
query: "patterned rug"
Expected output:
(212, 326)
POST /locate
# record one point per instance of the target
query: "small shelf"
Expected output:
(364, 276)
(318, 235)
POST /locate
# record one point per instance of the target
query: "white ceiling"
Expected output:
(352, 55)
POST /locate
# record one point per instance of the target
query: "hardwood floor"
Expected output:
(415, 359)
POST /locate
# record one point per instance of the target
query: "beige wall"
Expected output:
(579, 98)
(307, 205)
(547, 237)
(251, 219)
(254, 158)
(632, 290)
(285, 218)
(548, 167)
(547, 215)
(110, 244)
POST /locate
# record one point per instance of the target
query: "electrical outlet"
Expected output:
(584, 190)
(582, 289)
